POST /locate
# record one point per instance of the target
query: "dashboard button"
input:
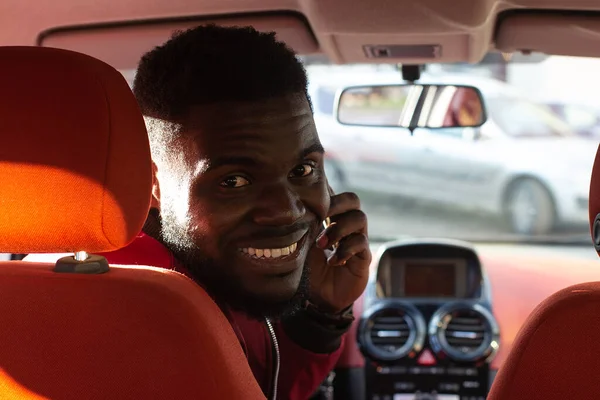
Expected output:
(384, 370)
(426, 358)
(471, 384)
(415, 370)
(457, 371)
(449, 387)
(404, 386)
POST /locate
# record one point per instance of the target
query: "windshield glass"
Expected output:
(522, 177)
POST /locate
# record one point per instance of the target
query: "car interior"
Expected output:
(484, 217)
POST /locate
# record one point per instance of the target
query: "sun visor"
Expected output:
(572, 35)
(122, 45)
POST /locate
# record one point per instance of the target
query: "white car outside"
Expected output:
(523, 163)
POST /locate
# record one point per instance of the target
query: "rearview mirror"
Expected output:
(411, 106)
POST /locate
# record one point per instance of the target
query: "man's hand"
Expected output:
(340, 258)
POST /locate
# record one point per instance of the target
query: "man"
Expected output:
(240, 197)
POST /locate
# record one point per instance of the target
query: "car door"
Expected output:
(383, 160)
(457, 165)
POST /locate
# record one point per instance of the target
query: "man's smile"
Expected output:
(274, 238)
(270, 253)
(275, 258)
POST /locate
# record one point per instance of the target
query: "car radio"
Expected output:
(428, 331)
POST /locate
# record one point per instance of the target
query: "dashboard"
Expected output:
(427, 331)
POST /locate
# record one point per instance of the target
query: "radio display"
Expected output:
(441, 278)
(430, 280)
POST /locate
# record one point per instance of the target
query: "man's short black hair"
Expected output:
(209, 64)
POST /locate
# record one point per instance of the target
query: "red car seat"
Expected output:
(75, 176)
(556, 355)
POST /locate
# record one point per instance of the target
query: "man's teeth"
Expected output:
(270, 253)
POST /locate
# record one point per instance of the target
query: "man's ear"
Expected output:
(155, 188)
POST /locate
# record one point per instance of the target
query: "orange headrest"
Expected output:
(75, 166)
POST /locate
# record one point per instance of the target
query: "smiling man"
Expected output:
(240, 198)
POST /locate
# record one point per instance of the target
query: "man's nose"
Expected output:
(278, 205)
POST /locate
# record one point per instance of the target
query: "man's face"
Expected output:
(245, 198)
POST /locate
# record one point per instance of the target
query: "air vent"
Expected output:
(464, 332)
(391, 331)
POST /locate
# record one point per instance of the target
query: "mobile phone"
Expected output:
(326, 224)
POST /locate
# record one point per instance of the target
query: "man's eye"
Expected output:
(301, 171)
(233, 182)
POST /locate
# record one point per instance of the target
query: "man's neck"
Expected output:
(152, 226)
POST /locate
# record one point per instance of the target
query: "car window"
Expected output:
(325, 99)
(580, 117)
(522, 118)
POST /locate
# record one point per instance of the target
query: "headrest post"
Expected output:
(82, 263)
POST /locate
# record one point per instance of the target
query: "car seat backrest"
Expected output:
(555, 354)
(75, 176)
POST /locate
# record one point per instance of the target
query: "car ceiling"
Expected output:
(347, 31)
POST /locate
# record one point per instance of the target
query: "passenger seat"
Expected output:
(556, 355)
(75, 177)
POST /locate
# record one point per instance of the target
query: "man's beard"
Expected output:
(225, 287)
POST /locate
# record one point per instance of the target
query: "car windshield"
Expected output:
(521, 177)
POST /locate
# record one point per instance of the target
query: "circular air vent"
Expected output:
(389, 331)
(465, 333)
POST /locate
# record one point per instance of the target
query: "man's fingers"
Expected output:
(342, 203)
(356, 244)
(354, 221)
